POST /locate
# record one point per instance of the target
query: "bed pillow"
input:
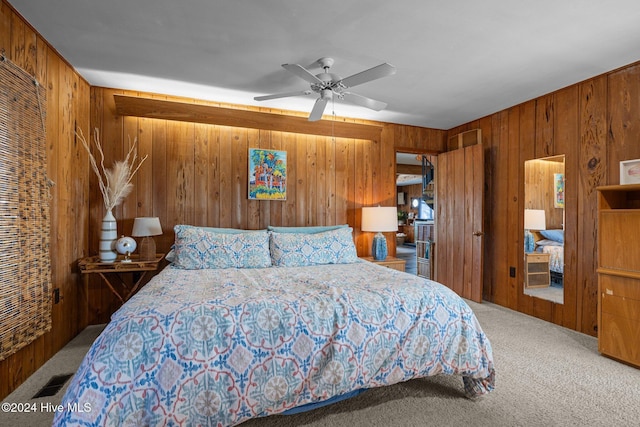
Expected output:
(307, 230)
(555, 235)
(300, 249)
(548, 242)
(200, 248)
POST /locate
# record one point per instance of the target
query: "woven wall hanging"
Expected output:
(25, 270)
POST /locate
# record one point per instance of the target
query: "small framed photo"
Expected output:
(630, 172)
(401, 200)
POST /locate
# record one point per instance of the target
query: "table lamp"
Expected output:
(146, 227)
(534, 219)
(379, 219)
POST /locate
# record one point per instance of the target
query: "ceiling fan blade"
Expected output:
(283, 95)
(364, 101)
(377, 72)
(303, 73)
(318, 109)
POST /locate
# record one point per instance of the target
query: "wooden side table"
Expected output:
(536, 270)
(390, 262)
(114, 270)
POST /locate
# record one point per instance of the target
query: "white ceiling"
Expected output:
(456, 61)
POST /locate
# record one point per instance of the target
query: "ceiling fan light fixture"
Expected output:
(327, 84)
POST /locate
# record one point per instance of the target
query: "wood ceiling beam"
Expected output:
(409, 169)
(198, 113)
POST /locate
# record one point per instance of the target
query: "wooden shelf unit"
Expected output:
(424, 234)
(619, 272)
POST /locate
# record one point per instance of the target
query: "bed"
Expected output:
(552, 242)
(217, 342)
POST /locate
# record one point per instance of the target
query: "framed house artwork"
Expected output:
(558, 185)
(267, 174)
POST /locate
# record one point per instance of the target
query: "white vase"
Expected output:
(108, 237)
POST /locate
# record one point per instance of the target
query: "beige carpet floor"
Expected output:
(546, 376)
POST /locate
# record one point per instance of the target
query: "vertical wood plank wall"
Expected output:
(197, 174)
(595, 124)
(67, 104)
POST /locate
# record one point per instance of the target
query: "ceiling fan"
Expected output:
(330, 86)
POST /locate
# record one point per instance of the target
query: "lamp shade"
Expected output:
(534, 219)
(379, 219)
(146, 226)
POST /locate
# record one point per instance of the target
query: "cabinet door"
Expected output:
(619, 326)
(619, 231)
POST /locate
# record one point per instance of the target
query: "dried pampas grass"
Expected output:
(115, 183)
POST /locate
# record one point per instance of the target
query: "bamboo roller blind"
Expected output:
(25, 277)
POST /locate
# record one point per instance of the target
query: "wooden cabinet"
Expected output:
(536, 270)
(408, 230)
(619, 272)
(389, 262)
(424, 233)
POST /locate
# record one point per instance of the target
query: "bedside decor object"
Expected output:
(115, 184)
(126, 246)
(147, 227)
(379, 219)
(108, 236)
(534, 219)
(630, 172)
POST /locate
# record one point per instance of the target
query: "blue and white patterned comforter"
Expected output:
(217, 347)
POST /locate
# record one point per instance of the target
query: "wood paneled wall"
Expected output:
(595, 124)
(67, 104)
(194, 174)
(413, 191)
(197, 174)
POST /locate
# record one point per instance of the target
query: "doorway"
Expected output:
(413, 204)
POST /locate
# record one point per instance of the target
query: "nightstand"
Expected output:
(390, 262)
(536, 270)
(109, 271)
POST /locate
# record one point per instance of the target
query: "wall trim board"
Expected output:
(208, 114)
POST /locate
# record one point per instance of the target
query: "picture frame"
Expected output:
(401, 198)
(630, 172)
(558, 187)
(267, 174)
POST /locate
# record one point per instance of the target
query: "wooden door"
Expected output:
(459, 242)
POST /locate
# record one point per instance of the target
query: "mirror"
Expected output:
(543, 214)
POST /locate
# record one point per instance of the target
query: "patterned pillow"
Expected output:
(299, 249)
(199, 248)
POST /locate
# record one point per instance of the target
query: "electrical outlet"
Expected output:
(512, 272)
(56, 295)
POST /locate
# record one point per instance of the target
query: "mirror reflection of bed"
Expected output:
(544, 228)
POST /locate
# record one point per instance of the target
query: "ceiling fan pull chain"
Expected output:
(333, 113)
